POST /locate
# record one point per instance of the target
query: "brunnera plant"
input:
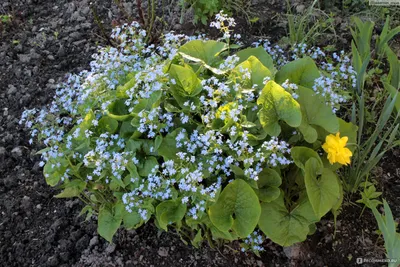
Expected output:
(219, 144)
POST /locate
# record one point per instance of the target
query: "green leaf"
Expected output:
(118, 110)
(132, 169)
(168, 147)
(170, 211)
(394, 68)
(130, 82)
(204, 52)
(148, 166)
(385, 37)
(52, 177)
(350, 130)
(234, 46)
(315, 112)
(132, 220)
(239, 173)
(186, 81)
(83, 126)
(107, 124)
(268, 183)
(301, 155)
(388, 228)
(260, 54)
(237, 208)
(72, 189)
(257, 71)
(54, 170)
(286, 227)
(324, 192)
(394, 93)
(133, 145)
(357, 64)
(197, 239)
(217, 234)
(117, 182)
(158, 141)
(87, 122)
(88, 210)
(309, 133)
(362, 35)
(277, 104)
(336, 207)
(301, 72)
(108, 222)
(126, 129)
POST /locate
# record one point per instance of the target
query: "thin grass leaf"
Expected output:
(353, 114)
(388, 37)
(394, 68)
(362, 73)
(390, 224)
(384, 32)
(292, 29)
(383, 118)
(393, 135)
(361, 117)
(394, 93)
(356, 58)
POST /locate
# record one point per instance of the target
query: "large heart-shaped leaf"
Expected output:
(130, 81)
(109, 221)
(204, 52)
(260, 54)
(268, 185)
(126, 130)
(148, 166)
(315, 112)
(170, 211)
(132, 220)
(186, 81)
(107, 124)
(286, 227)
(83, 126)
(301, 72)
(54, 170)
(324, 192)
(277, 104)
(118, 110)
(167, 148)
(301, 155)
(237, 208)
(257, 70)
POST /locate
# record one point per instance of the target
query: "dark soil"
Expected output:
(48, 39)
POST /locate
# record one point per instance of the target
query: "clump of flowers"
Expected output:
(224, 24)
(253, 243)
(188, 134)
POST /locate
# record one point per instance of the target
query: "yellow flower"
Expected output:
(336, 149)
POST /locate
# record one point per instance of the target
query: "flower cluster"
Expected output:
(155, 133)
(253, 242)
(223, 23)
